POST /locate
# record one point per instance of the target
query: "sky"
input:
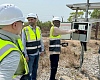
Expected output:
(46, 9)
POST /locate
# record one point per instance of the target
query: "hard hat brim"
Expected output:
(8, 22)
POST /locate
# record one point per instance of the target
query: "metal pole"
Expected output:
(87, 7)
(83, 43)
(81, 57)
(99, 62)
(76, 15)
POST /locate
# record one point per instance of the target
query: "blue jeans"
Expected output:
(33, 66)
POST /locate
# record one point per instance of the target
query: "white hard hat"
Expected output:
(56, 18)
(32, 15)
(9, 13)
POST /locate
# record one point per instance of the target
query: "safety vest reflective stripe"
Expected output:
(26, 65)
(20, 44)
(27, 35)
(39, 46)
(54, 45)
(54, 39)
(33, 47)
(4, 52)
(33, 40)
(5, 48)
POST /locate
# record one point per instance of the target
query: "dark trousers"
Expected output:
(54, 59)
(24, 77)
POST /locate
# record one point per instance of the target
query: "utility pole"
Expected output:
(37, 17)
(84, 44)
(62, 18)
(53, 16)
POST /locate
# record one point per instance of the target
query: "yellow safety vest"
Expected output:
(6, 47)
(32, 39)
(54, 44)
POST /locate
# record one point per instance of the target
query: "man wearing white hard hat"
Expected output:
(54, 45)
(12, 61)
(32, 40)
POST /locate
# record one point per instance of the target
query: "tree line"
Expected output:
(45, 26)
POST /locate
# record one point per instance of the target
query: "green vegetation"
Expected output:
(72, 15)
(45, 26)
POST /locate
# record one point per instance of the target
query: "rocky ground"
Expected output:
(70, 61)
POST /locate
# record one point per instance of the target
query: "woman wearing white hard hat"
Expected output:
(12, 61)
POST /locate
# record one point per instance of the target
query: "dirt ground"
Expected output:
(70, 61)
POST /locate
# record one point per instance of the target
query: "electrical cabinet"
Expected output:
(83, 32)
(66, 26)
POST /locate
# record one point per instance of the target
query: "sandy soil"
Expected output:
(70, 61)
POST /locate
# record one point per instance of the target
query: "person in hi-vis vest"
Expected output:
(54, 45)
(12, 61)
(33, 43)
